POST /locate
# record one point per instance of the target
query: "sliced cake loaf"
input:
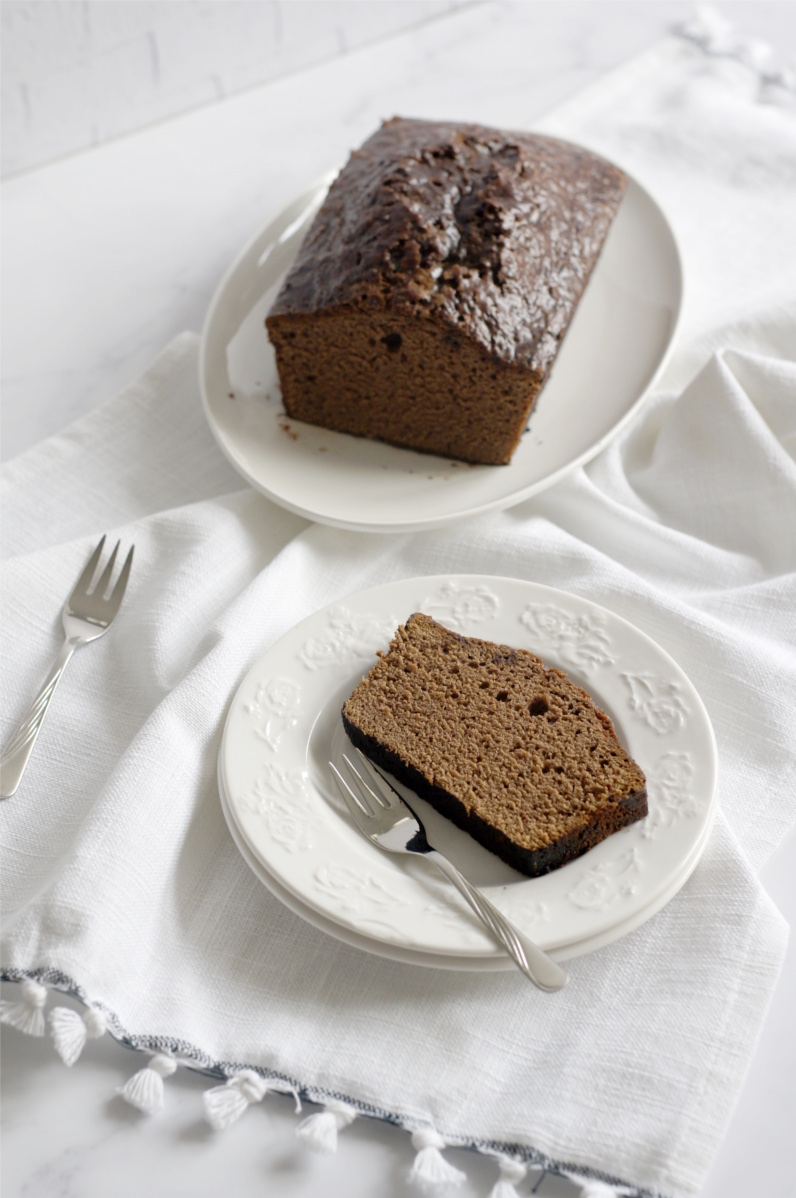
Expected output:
(514, 753)
(431, 294)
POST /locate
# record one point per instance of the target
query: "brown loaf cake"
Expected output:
(430, 296)
(514, 753)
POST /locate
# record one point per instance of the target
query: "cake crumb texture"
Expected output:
(515, 753)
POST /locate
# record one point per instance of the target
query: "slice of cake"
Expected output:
(514, 753)
(430, 296)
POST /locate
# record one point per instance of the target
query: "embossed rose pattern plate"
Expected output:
(614, 349)
(284, 726)
(412, 956)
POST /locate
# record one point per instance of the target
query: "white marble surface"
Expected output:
(103, 264)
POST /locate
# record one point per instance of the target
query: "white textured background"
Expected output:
(76, 73)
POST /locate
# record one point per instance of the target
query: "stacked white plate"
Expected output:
(284, 814)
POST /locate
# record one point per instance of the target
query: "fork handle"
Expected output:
(543, 971)
(19, 748)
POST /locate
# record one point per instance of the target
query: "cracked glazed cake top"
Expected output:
(495, 233)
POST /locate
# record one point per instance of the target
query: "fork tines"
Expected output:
(367, 799)
(84, 581)
(98, 590)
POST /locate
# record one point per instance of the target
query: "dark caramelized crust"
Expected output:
(429, 298)
(514, 753)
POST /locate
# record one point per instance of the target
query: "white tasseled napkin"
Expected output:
(120, 878)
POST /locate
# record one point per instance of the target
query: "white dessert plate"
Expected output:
(614, 350)
(411, 956)
(284, 726)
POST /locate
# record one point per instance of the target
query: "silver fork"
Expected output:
(85, 617)
(388, 820)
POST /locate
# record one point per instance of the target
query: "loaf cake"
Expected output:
(514, 753)
(430, 296)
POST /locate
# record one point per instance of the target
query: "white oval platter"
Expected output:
(614, 350)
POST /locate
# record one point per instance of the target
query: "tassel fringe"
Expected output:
(225, 1104)
(144, 1090)
(28, 1014)
(591, 1187)
(716, 37)
(70, 1030)
(512, 1172)
(430, 1169)
(319, 1132)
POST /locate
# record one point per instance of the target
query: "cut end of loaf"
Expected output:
(404, 379)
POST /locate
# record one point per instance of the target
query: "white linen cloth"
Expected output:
(120, 877)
